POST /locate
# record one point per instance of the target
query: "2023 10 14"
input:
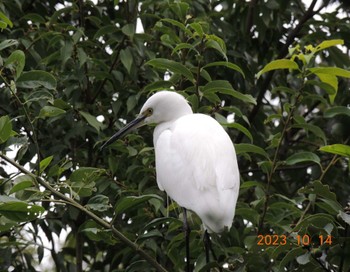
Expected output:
(301, 240)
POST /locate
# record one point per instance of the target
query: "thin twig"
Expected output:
(274, 164)
(115, 61)
(35, 139)
(332, 162)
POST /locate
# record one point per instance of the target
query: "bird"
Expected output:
(195, 159)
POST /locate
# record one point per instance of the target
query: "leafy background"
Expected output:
(74, 72)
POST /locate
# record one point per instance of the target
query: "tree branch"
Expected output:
(35, 138)
(274, 164)
(283, 52)
(93, 216)
(115, 61)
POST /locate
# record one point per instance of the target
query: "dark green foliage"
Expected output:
(282, 70)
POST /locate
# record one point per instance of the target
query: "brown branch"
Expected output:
(115, 61)
(90, 214)
(250, 16)
(283, 52)
(274, 164)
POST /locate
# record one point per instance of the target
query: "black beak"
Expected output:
(125, 130)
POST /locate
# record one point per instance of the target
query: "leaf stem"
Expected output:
(332, 162)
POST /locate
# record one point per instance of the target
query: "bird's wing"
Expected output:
(207, 150)
(195, 153)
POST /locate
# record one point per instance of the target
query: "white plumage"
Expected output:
(196, 162)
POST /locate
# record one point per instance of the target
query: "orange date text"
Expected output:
(272, 240)
(300, 240)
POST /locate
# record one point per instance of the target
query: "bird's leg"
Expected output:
(206, 240)
(187, 231)
(208, 247)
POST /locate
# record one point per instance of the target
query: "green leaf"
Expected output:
(59, 13)
(180, 9)
(249, 184)
(86, 174)
(330, 206)
(224, 87)
(304, 259)
(345, 217)
(129, 30)
(302, 157)
(338, 149)
(150, 234)
(59, 103)
(158, 85)
(181, 46)
(126, 59)
(7, 43)
(332, 81)
(240, 128)
(227, 64)
(324, 85)
(92, 121)
(290, 256)
(5, 128)
(7, 21)
(21, 186)
(329, 43)
(98, 203)
(278, 64)
(317, 131)
(128, 202)
(250, 148)
(173, 66)
(335, 71)
(36, 78)
(178, 24)
(271, 117)
(82, 56)
(132, 151)
(213, 41)
(248, 214)
(83, 181)
(319, 220)
(34, 17)
(16, 61)
(337, 110)
(108, 29)
(45, 163)
(319, 189)
(20, 211)
(204, 74)
(132, 102)
(50, 111)
(96, 233)
(198, 29)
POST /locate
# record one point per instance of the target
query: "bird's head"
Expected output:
(164, 106)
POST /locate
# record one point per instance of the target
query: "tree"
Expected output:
(73, 72)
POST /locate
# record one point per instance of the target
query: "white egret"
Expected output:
(196, 162)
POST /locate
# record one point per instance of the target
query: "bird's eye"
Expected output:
(149, 111)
